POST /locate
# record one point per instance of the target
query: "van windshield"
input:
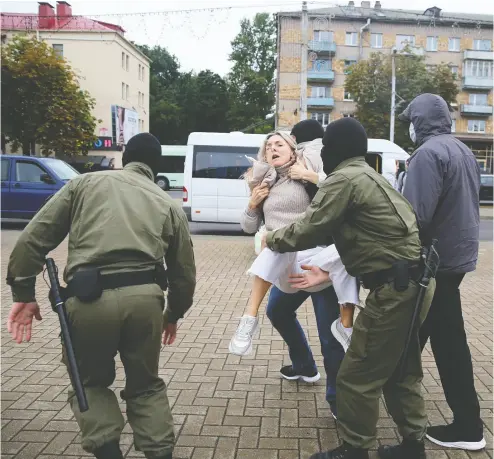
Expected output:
(61, 169)
(220, 162)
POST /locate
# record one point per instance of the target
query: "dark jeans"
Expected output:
(444, 325)
(282, 312)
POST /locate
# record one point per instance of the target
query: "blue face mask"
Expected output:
(411, 131)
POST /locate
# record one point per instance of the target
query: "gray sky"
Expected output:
(201, 40)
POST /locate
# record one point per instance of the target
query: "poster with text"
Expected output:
(127, 124)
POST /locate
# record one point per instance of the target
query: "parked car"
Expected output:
(486, 182)
(28, 182)
(84, 164)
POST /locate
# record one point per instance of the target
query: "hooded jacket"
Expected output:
(443, 183)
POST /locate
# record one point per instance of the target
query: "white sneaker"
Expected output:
(338, 331)
(241, 343)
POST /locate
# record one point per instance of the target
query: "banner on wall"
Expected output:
(125, 124)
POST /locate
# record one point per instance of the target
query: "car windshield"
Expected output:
(62, 169)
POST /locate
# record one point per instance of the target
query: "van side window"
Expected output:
(5, 169)
(221, 162)
(28, 172)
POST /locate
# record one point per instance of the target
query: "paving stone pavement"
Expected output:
(224, 406)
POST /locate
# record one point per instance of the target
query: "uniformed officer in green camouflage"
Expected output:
(373, 227)
(120, 222)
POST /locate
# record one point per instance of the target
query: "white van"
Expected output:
(213, 189)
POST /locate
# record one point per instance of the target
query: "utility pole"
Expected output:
(303, 60)
(393, 97)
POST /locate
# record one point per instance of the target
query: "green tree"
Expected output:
(251, 80)
(183, 102)
(369, 83)
(42, 102)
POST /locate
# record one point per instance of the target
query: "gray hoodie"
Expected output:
(443, 183)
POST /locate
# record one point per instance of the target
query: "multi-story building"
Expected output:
(109, 67)
(316, 46)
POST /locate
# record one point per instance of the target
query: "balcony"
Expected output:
(478, 55)
(479, 110)
(328, 47)
(323, 102)
(321, 75)
(470, 82)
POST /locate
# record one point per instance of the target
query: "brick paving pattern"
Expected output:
(224, 406)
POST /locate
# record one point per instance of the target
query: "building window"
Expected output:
(139, 71)
(476, 126)
(478, 69)
(123, 91)
(402, 41)
(321, 65)
(127, 92)
(348, 115)
(454, 69)
(320, 91)
(123, 60)
(323, 35)
(351, 39)
(482, 45)
(477, 99)
(377, 40)
(431, 44)
(453, 125)
(323, 118)
(127, 63)
(454, 45)
(348, 64)
(58, 50)
(142, 73)
(347, 96)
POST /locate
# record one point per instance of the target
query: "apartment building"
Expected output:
(110, 68)
(326, 41)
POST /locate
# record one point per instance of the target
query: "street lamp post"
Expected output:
(393, 96)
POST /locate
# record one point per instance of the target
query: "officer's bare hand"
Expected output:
(298, 171)
(20, 321)
(312, 276)
(259, 194)
(169, 334)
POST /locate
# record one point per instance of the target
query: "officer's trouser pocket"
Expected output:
(364, 326)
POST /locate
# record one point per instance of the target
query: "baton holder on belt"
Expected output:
(430, 262)
(58, 306)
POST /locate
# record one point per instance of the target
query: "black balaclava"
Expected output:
(143, 148)
(344, 139)
(307, 130)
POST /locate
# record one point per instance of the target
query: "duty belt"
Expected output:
(371, 281)
(119, 280)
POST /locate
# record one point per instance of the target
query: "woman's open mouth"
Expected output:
(275, 156)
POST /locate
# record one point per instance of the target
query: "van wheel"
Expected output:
(163, 183)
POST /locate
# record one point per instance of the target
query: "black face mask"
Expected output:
(330, 161)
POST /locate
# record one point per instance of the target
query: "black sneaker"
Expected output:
(344, 451)
(409, 449)
(309, 376)
(334, 413)
(452, 436)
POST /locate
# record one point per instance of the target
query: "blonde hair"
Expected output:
(285, 135)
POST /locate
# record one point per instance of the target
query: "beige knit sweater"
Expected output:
(288, 199)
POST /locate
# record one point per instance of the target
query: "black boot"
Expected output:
(345, 451)
(110, 450)
(409, 449)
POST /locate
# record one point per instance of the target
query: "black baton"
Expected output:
(59, 307)
(430, 260)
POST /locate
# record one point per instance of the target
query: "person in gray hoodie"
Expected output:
(443, 183)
